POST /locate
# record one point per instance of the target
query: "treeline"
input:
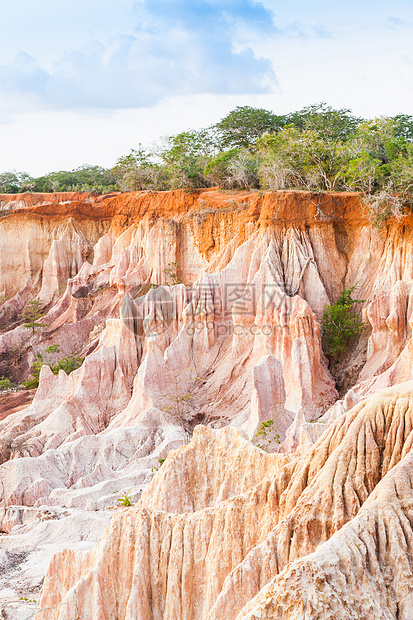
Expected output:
(83, 179)
(318, 148)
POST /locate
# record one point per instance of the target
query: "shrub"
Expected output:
(341, 324)
(68, 364)
(172, 271)
(5, 384)
(267, 433)
(385, 206)
(125, 500)
(216, 171)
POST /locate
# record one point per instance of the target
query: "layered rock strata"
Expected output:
(195, 308)
(202, 545)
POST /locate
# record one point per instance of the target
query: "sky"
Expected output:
(86, 81)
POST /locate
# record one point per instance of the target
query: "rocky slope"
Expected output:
(239, 554)
(200, 308)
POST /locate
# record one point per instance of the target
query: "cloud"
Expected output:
(175, 47)
(395, 22)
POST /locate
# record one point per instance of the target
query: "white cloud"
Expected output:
(175, 48)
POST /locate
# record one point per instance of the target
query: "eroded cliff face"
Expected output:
(197, 308)
(239, 555)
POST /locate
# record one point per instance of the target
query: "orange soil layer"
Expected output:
(268, 207)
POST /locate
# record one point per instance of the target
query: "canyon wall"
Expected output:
(198, 315)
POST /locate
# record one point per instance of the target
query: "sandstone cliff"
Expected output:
(238, 555)
(197, 308)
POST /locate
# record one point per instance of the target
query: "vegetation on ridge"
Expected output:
(341, 324)
(49, 358)
(317, 148)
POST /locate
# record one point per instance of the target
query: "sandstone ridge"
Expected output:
(195, 310)
(249, 551)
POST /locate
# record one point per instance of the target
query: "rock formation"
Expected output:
(200, 308)
(206, 544)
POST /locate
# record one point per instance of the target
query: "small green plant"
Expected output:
(341, 324)
(172, 271)
(155, 469)
(28, 600)
(180, 397)
(68, 364)
(32, 314)
(5, 384)
(125, 499)
(267, 433)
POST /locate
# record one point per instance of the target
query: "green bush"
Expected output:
(125, 500)
(172, 273)
(31, 383)
(267, 433)
(216, 171)
(5, 384)
(68, 364)
(341, 324)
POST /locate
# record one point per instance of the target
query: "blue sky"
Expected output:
(85, 81)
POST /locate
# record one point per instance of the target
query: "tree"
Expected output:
(243, 170)
(185, 156)
(242, 127)
(362, 173)
(216, 170)
(385, 205)
(300, 159)
(12, 181)
(180, 405)
(378, 137)
(5, 384)
(404, 127)
(85, 178)
(341, 324)
(331, 125)
(32, 314)
(138, 171)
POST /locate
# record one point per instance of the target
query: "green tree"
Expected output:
(242, 127)
(216, 170)
(31, 315)
(300, 159)
(362, 173)
(341, 324)
(85, 178)
(138, 171)
(5, 384)
(11, 182)
(329, 124)
(404, 127)
(185, 156)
